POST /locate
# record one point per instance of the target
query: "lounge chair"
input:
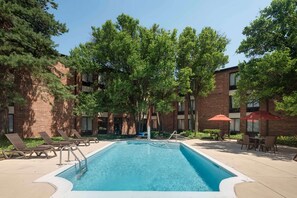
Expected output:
(142, 134)
(75, 141)
(268, 144)
(47, 140)
(21, 149)
(246, 141)
(77, 135)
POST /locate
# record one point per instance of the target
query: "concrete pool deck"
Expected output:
(275, 175)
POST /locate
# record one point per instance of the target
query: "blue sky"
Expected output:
(228, 17)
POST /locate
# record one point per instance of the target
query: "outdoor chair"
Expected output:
(59, 145)
(86, 142)
(77, 135)
(275, 145)
(21, 149)
(221, 136)
(246, 141)
(268, 144)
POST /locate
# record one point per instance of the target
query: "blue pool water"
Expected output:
(148, 166)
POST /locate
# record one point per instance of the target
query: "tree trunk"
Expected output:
(158, 121)
(148, 123)
(191, 127)
(196, 115)
(131, 125)
(139, 122)
(110, 123)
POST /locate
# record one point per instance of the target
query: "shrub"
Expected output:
(287, 140)
(211, 131)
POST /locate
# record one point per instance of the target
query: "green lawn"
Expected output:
(30, 142)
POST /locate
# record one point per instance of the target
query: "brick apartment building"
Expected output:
(221, 101)
(43, 113)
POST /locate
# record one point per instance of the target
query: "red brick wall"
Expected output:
(286, 126)
(169, 121)
(217, 102)
(41, 112)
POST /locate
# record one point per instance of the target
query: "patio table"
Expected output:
(257, 141)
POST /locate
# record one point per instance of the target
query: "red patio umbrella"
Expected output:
(220, 117)
(261, 115)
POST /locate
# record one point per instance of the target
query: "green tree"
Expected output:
(26, 28)
(198, 58)
(135, 64)
(158, 50)
(271, 45)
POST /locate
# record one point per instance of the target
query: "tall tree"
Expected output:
(26, 28)
(158, 50)
(198, 58)
(271, 45)
(136, 65)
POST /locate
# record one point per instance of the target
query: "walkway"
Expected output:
(275, 175)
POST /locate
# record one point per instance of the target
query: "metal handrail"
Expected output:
(71, 149)
(174, 132)
(81, 168)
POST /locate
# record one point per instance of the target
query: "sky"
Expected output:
(227, 17)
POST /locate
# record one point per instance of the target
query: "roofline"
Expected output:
(226, 68)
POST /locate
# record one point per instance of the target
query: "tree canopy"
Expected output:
(271, 45)
(144, 68)
(26, 28)
(199, 55)
(135, 66)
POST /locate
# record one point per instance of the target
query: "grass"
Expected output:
(30, 142)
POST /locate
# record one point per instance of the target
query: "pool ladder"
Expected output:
(82, 167)
(173, 133)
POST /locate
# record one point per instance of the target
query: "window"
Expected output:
(233, 106)
(181, 107)
(190, 124)
(10, 123)
(86, 124)
(253, 106)
(101, 82)
(233, 80)
(180, 124)
(192, 103)
(252, 126)
(102, 125)
(235, 125)
(87, 79)
(11, 118)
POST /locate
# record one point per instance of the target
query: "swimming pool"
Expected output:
(154, 167)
